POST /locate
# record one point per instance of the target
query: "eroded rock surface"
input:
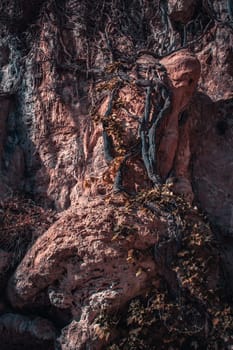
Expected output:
(84, 261)
(108, 114)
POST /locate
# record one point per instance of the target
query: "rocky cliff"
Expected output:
(115, 164)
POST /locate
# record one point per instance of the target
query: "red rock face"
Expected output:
(181, 10)
(184, 72)
(108, 115)
(85, 262)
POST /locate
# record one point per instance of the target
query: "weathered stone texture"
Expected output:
(71, 73)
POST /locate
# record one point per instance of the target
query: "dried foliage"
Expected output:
(187, 306)
(186, 309)
(109, 31)
(22, 221)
